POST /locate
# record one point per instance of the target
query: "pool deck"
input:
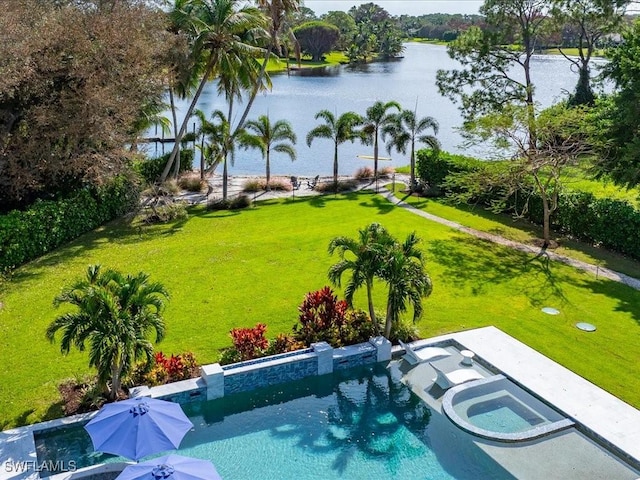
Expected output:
(613, 422)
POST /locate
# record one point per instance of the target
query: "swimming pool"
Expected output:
(360, 423)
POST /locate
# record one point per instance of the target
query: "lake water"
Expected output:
(299, 97)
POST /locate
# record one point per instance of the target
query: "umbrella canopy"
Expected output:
(138, 427)
(171, 467)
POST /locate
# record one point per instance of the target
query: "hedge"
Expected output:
(152, 169)
(47, 224)
(613, 224)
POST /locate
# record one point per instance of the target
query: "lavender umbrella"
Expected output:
(171, 467)
(138, 427)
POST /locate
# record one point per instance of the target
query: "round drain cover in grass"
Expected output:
(587, 327)
(551, 311)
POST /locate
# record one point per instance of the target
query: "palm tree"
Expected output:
(408, 283)
(266, 137)
(339, 130)
(220, 30)
(377, 117)
(363, 257)
(115, 315)
(221, 143)
(405, 130)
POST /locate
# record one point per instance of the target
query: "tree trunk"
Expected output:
(412, 180)
(185, 122)
(335, 166)
(389, 321)
(116, 381)
(375, 155)
(268, 169)
(372, 313)
(175, 130)
(254, 92)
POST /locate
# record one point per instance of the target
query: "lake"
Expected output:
(299, 97)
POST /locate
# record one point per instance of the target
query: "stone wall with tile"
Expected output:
(262, 375)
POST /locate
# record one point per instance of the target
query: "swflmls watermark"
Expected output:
(15, 466)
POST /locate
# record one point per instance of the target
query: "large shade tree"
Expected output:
(75, 80)
(339, 130)
(114, 314)
(267, 137)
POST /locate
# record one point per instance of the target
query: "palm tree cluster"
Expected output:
(376, 254)
(114, 315)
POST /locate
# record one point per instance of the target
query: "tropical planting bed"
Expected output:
(237, 268)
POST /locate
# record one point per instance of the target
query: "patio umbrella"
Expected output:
(171, 467)
(138, 427)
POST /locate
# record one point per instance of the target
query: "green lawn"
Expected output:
(331, 59)
(229, 269)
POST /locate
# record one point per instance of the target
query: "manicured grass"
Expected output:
(331, 59)
(230, 269)
(519, 230)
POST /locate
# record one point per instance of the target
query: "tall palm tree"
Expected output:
(221, 143)
(277, 13)
(363, 257)
(377, 117)
(405, 130)
(221, 31)
(115, 314)
(339, 130)
(264, 135)
(408, 283)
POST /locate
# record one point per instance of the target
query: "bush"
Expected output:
(163, 370)
(258, 185)
(237, 203)
(343, 186)
(283, 344)
(250, 343)
(47, 224)
(386, 172)
(364, 173)
(191, 182)
(151, 169)
(324, 318)
(405, 331)
(433, 167)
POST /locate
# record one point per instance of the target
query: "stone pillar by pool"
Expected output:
(324, 351)
(383, 346)
(213, 377)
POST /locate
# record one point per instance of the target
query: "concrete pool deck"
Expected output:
(611, 421)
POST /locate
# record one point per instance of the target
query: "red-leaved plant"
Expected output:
(250, 343)
(322, 318)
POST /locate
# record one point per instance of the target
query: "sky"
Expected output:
(399, 7)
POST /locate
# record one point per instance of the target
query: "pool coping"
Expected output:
(521, 436)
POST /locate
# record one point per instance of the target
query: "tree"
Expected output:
(339, 130)
(346, 25)
(376, 119)
(496, 60)
(115, 314)
(404, 130)
(615, 120)
(72, 94)
(317, 38)
(363, 257)
(407, 282)
(265, 136)
(561, 141)
(592, 19)
(223, 34)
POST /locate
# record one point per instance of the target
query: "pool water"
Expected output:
(355, 424)
(503, 414)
